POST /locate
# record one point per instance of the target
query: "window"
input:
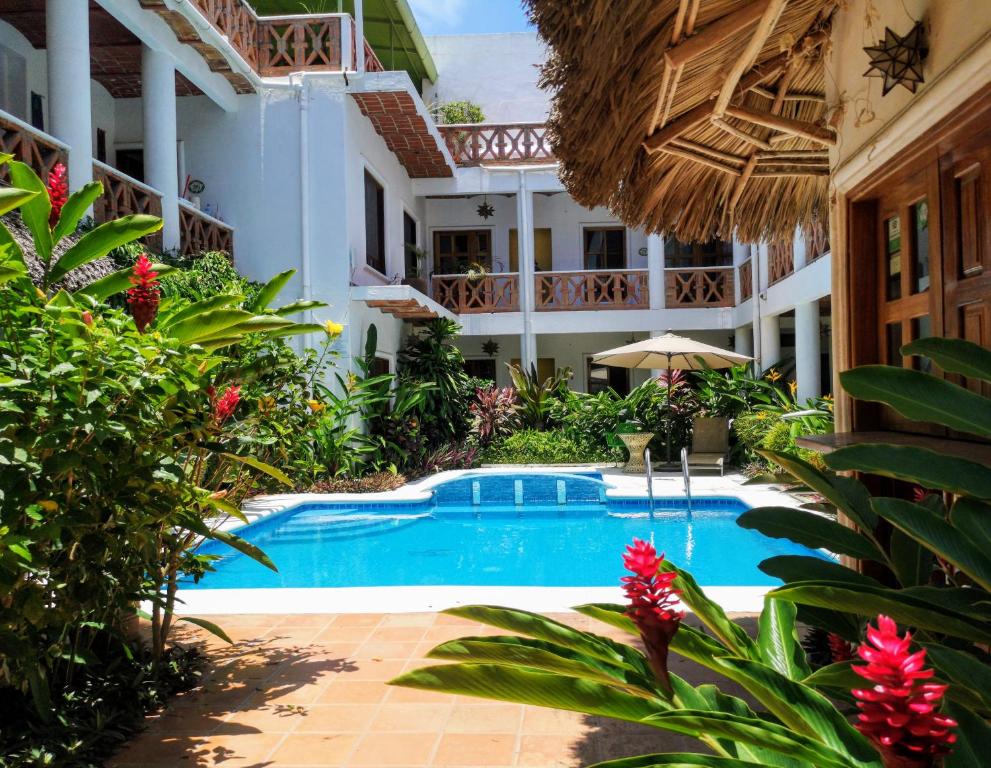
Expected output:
(481, 368)
(456, 251)
(601, 378)
(605, 247)
(131, 162)
(410, 246)
(37, 111)
(715, 253)
(380, 366)
(374, 224)
(101, 145)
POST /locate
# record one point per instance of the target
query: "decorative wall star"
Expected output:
(491, 348)
(898, 60)
(485, 210)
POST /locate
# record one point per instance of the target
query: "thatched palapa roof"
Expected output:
(696, 118)
(77, 278)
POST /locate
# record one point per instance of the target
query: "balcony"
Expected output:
(30, 146)
(200, 232)
(780, 261)
(484, 144)
(699, 287)
(600, 289)
(465, 295)
(124, 196)
(746, 280)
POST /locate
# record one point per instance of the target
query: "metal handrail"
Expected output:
(650, 480)
(687, 477)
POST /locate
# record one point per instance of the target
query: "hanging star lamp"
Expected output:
(491, 348)
(485, 210)
(898, 60)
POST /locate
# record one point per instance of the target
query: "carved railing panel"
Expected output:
(235, 20)
(200, 233)
(699, 287)
(298, 44)
(479, 144)
(372, 62)
(606, 289)
(475, 295)
(780, 261)
(29, 146)
(746, 280)
(816, 242)
(123, 196)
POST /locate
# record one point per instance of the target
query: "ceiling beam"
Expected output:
(798, 128)
(716, 33)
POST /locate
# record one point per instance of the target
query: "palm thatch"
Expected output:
(695, 118)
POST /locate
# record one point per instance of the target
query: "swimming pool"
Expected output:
(547, 530)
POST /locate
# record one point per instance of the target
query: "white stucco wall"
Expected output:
(498, 72)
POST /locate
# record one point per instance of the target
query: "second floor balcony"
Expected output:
(497, 144)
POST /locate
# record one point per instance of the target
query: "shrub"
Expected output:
(208, 274)
(459, 112)
(376, 482)
(495, 413)
(531, 446)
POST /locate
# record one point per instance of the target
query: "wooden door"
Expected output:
(542, 253)
(455, 251)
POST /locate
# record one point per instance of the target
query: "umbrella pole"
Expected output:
(668, 437)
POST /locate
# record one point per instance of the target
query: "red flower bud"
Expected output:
(87, 318)
(839, 648)
(144, 296)
(899, 713)
(58, 191)
(225, 405)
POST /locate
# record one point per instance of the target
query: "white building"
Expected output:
(282, 139)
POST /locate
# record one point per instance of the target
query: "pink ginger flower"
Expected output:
(653, 605)
(58, 191)
(899, 713)
(144, 296)
(226, 404)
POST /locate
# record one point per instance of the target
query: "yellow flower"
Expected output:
(761, 415)
(773, 375)
(266, 404)
(793, 387)
(333, 329)
(48, 505)
(315, 405)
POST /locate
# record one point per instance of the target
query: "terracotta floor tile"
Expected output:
(314, 749)
(321, 620)
(342, 691)
(358, 619)
(408, 620)
(438, 635)
(294, 634)
(548, 752)
(267, 718)
(475, 749)
(286, 693)
(399, 695)
(446, 619)
(485, 718)
(237, 751)
(411, 717)
(399, 749)
(152, 748)
(336, 718)
(344, 634)
(540, 720)
(372, 649)
(399, 634)
(370, 669)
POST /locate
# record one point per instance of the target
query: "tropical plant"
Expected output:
(460, 112)
(495, 413)
(537, 397)
(532, 446)
(731, 391)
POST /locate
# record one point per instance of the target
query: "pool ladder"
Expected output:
(687, 478)
(649, 470)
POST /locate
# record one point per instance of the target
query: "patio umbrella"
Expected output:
(675, 353)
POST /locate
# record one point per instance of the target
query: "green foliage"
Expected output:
(210, 274)
(460, 112)
(536, 397)
(530, 446)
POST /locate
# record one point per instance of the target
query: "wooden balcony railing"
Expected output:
(700, 287)
(479, 144)
(746, 280)
(30, 146)
(816, 243)
(200, 232)
(605, 289)
(236, 20)
(123, 196)
(780, 261)
(474, 295)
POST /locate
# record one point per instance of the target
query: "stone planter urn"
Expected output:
(635, 443)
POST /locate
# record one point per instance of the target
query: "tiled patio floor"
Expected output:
(310, 690)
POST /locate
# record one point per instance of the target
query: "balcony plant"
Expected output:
(925, 567)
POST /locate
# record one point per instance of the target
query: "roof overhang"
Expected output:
(401, 301)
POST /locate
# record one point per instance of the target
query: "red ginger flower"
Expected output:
(225, 405)
(144, 296)
(653, 604)
(899, 712)
(58, 191)
(839, 649)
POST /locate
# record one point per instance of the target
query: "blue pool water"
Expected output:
(496, 530)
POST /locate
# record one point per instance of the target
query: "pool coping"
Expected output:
(416, 599)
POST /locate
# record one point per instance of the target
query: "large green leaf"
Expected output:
(209, 626)
(75, 208)
(973, 745)
(791, 568)
(244, 547)
(729, 633)
(973, 519)
(921, 397)
(116, 282)
(906, 608)
(299, 306)
(542, 628)
(839, 675)
(697, 646)
(526, 686)
(954, 355)
(261, 466)
(678, 760)
(12, 197)
(758, 732)
(36, 210)
(199, 307)
(799, 707)
(267, 293)
(937, 535)
(777, 639)
(612, 614)
(963, 671)
(536, 654)
(811, 530)
(846, 494)
(98, 242)
(922, 466)
(205, 324)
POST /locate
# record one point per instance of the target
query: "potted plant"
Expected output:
(416, 269)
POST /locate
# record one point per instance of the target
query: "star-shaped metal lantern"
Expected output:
(491, 348)
(898, 59)
(485, 210)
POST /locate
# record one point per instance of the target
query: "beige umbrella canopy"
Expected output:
(670, 352)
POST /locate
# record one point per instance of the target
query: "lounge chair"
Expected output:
(710, 443)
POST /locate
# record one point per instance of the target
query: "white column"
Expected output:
(807, 342)
(743, 341)
(524, 226)
(655, 274)
(770, 341)
(160, 154)
(359, 34)
(70, 106)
